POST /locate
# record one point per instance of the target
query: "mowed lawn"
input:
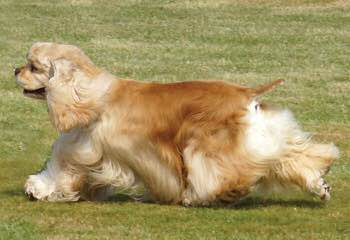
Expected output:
(248, 42)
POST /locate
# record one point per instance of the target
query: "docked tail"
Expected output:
(266, 88)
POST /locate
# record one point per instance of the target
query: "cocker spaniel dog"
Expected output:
(191, 143)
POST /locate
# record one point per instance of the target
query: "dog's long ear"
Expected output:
(70, 97)
(266, 88)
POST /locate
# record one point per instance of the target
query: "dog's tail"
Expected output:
(266, 88)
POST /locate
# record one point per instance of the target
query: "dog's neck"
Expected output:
(104, 82)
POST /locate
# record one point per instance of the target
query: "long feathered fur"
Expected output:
(191, 143)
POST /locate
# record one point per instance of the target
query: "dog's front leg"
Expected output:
(53, 184)
(65, 174)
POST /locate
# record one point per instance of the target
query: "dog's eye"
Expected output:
(33, 68)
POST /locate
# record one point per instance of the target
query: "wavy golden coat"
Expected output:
(192, 143)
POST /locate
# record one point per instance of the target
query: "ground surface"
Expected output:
(304, 42)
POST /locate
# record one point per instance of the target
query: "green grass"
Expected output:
(305, 42)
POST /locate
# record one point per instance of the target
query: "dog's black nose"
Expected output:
(17, 70)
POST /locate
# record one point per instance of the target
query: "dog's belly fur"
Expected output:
(139, 158)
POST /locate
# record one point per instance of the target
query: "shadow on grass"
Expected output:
(121, 198)
(13, 192)
(247, 203)
(252, 203)
(117, 198)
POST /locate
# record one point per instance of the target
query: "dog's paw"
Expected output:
(325, 190)
(38, 187)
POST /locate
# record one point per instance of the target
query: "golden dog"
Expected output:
(191, 143)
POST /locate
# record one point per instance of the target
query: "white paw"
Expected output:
(324, 190)
(186, 202)
(39, 187)
(187, 196)
(190, 199)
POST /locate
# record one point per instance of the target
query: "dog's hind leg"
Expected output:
(304, 166)
(215, 178)
(323, 190)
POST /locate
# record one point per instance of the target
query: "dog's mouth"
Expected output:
(39, 93)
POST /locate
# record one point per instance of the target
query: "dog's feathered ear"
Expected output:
(70, 97)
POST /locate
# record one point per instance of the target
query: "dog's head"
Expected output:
(34, 75)
(67, 79)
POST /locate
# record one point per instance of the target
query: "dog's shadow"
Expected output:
(246, 203)
(13, 193)
(256, 202)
